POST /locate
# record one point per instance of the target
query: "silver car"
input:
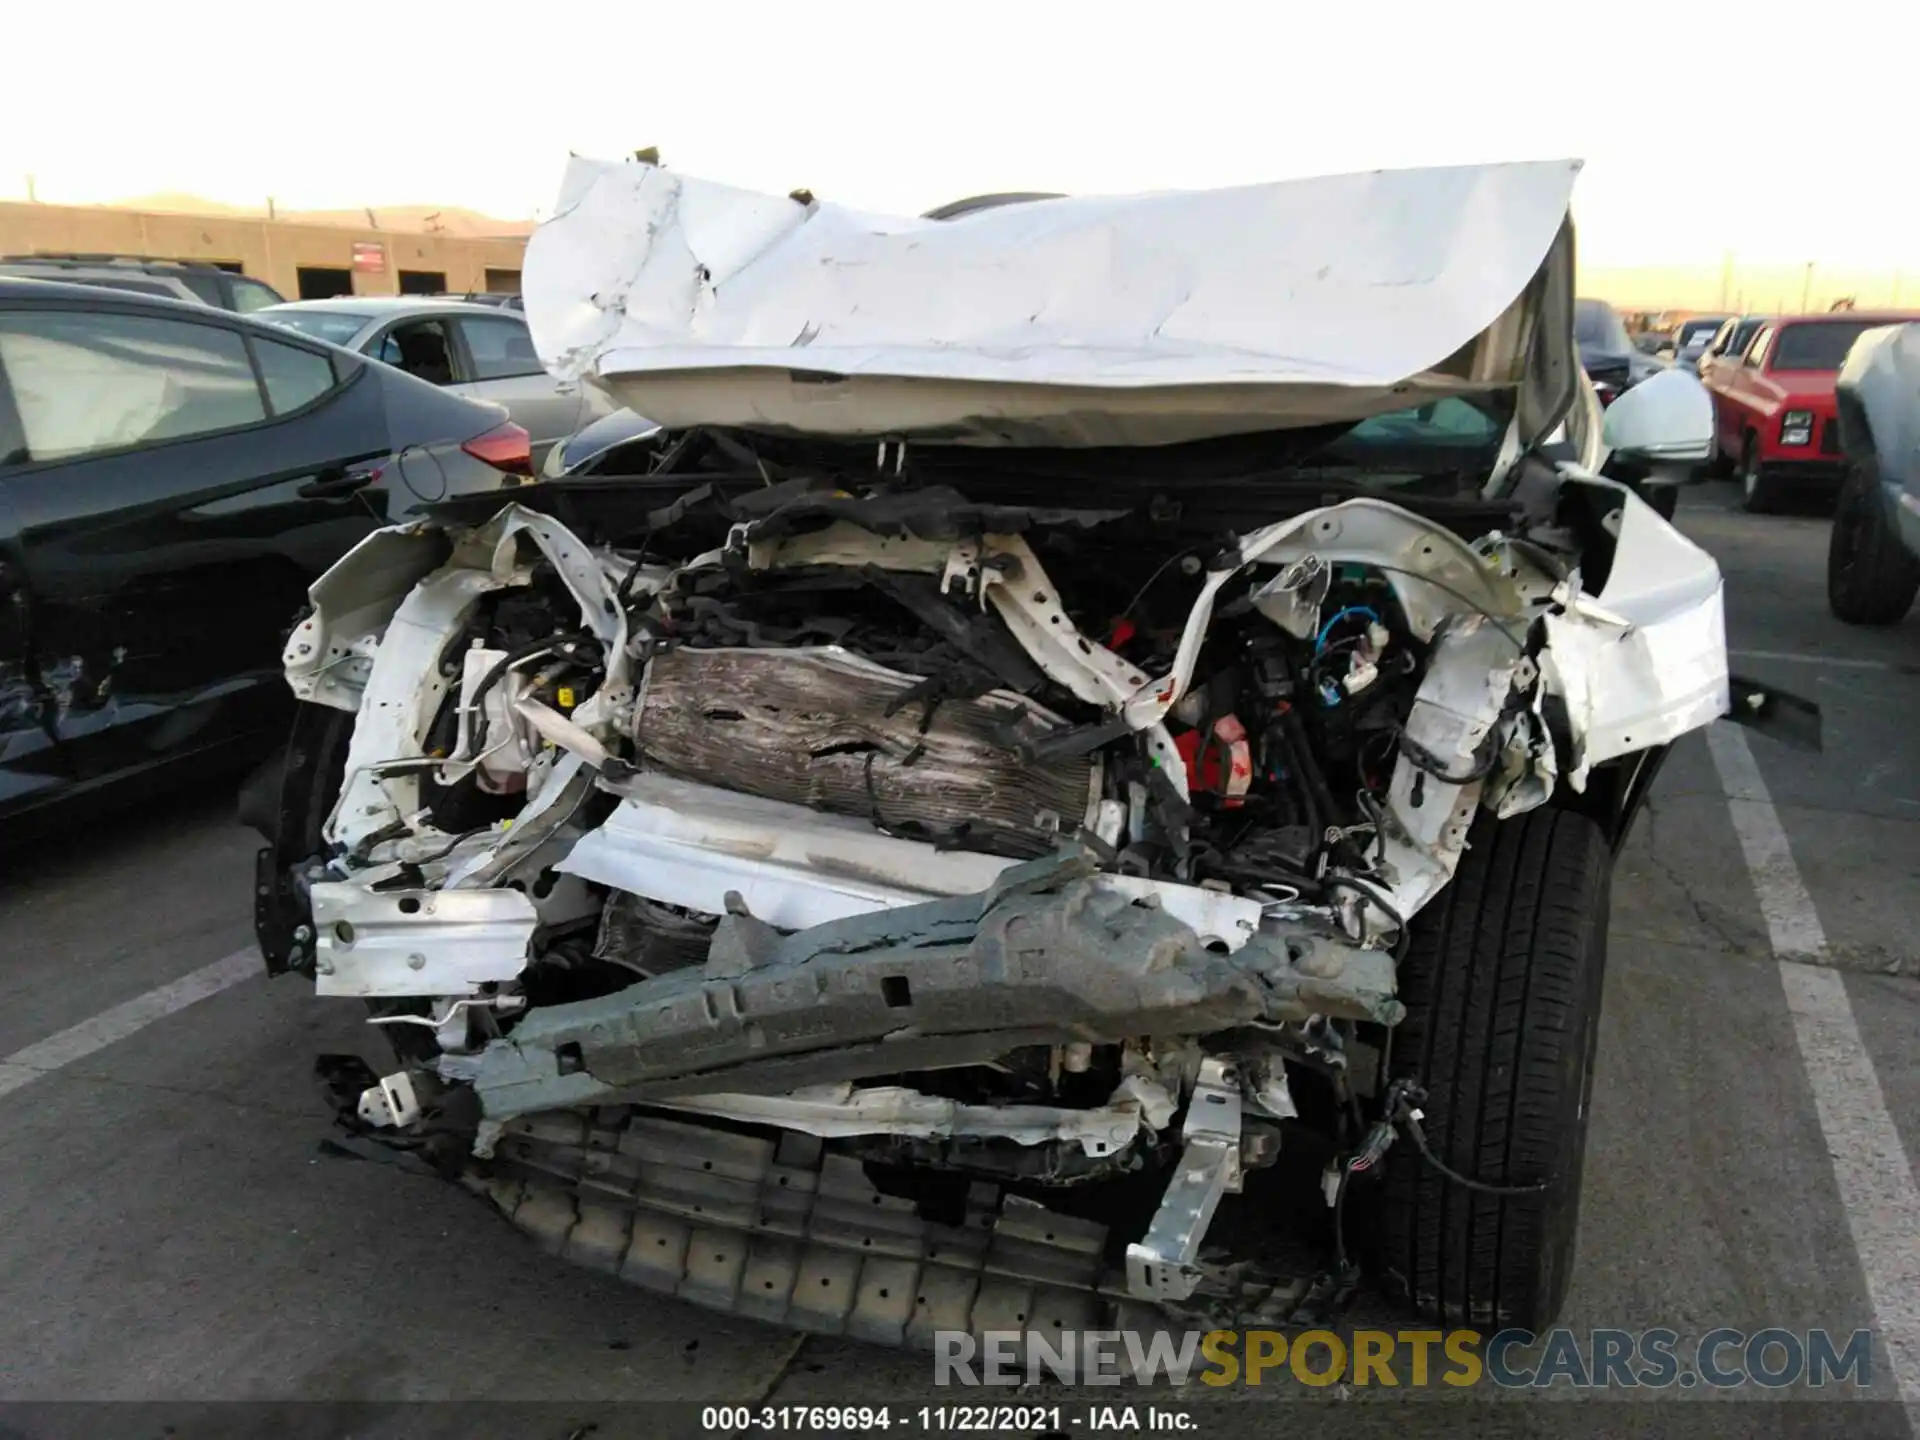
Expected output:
(477, 350)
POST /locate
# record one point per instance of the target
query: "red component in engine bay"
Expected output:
(1219, 762)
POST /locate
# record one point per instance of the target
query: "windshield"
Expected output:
(1596, 327)
(1698, 332)
(1820, 345)
(336, 327)
(1451, 433)
(206, 286)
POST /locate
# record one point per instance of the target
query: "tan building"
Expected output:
(394, 252)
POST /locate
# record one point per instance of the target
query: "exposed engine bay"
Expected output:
(793, 863)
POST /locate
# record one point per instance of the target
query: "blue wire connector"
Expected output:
(1339, 615)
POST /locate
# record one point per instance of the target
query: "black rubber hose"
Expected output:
(1319, 798)
(1402, 1108)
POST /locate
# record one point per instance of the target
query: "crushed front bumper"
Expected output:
(788, 1232)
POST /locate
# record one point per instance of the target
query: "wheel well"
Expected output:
(1616, 792)
(1856, 427)
(309, 781)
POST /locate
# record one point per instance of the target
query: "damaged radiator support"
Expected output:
(826, 729)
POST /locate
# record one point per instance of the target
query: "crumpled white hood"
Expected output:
(1140, 319)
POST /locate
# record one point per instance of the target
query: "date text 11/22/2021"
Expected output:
(991, 1419)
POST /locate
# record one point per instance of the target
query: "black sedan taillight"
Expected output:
(505, 447)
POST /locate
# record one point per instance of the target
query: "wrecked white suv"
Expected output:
(1083, 710)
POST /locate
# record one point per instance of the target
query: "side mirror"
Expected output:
(1665, 424)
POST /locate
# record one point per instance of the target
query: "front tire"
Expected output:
(1502, 986)
(1871, 579)
(1719, 464)
(1758, 495)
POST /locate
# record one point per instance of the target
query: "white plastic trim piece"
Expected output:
(392, 1104)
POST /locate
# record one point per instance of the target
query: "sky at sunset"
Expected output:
(1764, 131)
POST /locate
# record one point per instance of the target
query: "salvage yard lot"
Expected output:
(169, 1230)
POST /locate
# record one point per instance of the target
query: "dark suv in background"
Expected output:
(148, 275)
(172, 479)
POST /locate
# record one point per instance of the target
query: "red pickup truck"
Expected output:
(1773, 405)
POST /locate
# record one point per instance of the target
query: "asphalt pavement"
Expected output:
(170, 1231)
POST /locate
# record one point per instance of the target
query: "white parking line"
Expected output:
(43, 1057)
(1869, 1163)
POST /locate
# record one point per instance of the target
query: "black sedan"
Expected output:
(172, 478)
(1612, 362)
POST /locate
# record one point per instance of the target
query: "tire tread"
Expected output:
(1501, 984)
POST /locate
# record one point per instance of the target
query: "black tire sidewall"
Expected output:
(1756, 495)
(1878, 587)
(1561, 1205)
(1468, 1258)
